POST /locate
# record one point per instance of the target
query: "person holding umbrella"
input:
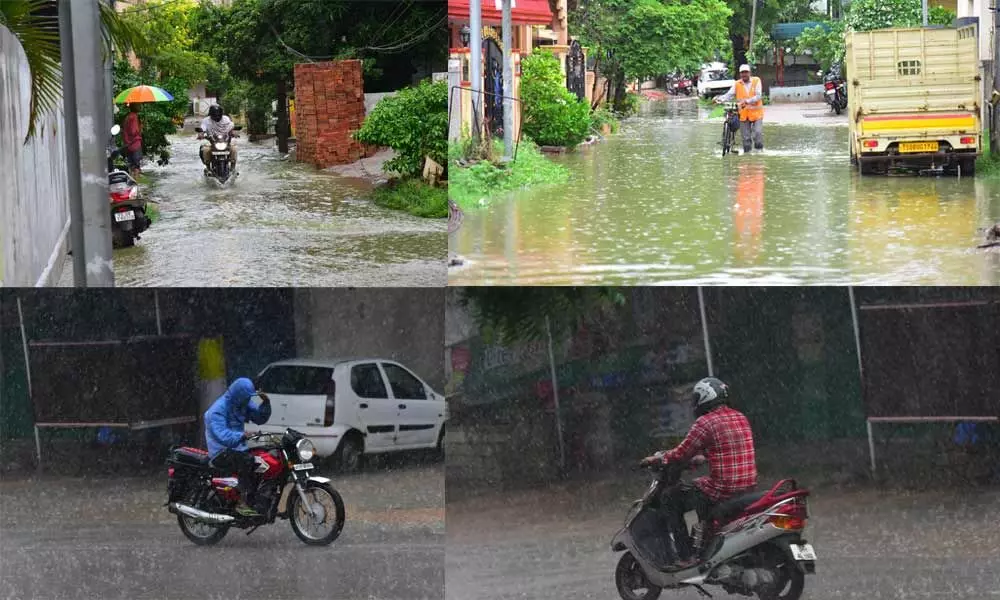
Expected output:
(132, 136)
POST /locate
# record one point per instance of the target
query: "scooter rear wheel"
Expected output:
(631, 581)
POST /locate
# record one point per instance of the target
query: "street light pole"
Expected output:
(924, 2)
(72, 141)
(476, 65)
(508, 85)
(753, 22)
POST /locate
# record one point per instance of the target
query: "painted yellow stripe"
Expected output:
(211, 359)
(953, 123)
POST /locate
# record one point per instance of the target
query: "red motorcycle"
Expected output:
(204, 498)
(685, 85)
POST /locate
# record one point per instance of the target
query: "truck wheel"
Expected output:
(868, 167)
(968, 167)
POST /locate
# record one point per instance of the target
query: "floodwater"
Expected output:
(280, 223)
(658, 204)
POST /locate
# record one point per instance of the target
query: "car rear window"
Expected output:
(290, 379)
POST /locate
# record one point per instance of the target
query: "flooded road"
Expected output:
(280, 223)
(657, 203)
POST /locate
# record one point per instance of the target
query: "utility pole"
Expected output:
(86, 130)
(476, 66)
(994, 121)
(753, 22)
(108, 74)
(508, 86)
(924, 2)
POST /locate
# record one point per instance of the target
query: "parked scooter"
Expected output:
(219, 167)
(128, 210)
(754, 544)
(834, 88)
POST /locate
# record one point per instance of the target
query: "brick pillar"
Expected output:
(329, 108)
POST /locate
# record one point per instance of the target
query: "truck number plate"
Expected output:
(918, 147)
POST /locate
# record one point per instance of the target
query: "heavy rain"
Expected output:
(101, 388)
(879, 401)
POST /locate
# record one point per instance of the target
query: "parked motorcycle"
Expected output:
(128, 210)
(220, 144)
(834, 88)
(685, 85)
(756, 548)
(204, 498)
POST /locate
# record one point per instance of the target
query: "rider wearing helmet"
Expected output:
(216, 123)
(724, 436)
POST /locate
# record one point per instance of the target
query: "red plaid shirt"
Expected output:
(724, 437)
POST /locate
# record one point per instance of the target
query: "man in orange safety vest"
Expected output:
(749, 98)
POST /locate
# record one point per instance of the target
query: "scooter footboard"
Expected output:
(650, 533)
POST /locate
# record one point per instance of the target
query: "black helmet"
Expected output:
(215, 112)
(708, 394)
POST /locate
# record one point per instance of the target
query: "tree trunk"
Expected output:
(739, 52)
(594, 100)
(281, 129)
(620, 92)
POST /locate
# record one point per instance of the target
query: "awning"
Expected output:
(526, 12)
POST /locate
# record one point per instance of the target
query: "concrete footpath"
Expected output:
(554, 543)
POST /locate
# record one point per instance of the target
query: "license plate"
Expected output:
(831, 92)
(918, 147)
(303, 466)
(220, 154)
(126, 215)
(803, 551)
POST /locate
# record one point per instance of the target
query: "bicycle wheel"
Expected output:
(727, 138)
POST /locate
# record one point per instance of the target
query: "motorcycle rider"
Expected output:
(724, 436)
(226, 437)
(747, 92)
(216, 123)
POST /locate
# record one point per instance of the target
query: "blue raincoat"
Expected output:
(225, 419)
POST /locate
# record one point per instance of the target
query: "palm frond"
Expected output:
(39, 38)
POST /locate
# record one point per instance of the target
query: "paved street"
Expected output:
(102, 538)
(555, 544)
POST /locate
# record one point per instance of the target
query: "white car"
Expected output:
(714, 80)
(353, 407)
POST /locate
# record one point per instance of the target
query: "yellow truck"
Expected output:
(914, 100)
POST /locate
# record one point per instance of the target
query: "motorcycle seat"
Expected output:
(190, 456)
(731, 508)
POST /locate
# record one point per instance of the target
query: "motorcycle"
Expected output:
(834, 89)
(204, 497)
(685, 85)
(755, 546)
(219, 165)
(128, 210)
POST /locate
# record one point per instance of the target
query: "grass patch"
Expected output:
(988, 165)
(153, 211)
(473, 185)
(413, 196)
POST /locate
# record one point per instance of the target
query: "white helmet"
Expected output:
(745, 68)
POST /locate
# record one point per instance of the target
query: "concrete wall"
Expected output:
(34, 195)
(401, 324)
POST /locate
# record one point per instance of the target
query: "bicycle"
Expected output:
(729, 127)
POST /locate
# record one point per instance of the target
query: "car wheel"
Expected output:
(350, 455)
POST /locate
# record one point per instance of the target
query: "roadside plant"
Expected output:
(553, 116)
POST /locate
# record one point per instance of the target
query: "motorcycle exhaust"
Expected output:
(200, 514)
(748, 580)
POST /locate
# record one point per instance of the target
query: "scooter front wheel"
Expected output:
(631, 582)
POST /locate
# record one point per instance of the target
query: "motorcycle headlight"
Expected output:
(220, 146)
(305, 449)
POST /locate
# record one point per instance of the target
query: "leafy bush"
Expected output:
(470, 186)
(603, 116)
(866, 15)
(939, 15)
(414, 123)
(631, 105)
(553, 116)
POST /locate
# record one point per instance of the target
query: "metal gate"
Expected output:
(576, 71)
(493, 86)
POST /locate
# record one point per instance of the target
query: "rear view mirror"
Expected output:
(819, 73)
(116, 129)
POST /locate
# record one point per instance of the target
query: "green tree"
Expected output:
(35, 24)
(553, 116)
(513, 315)
(825, 43)
(166, 25)
(769, 13)
(633, 39)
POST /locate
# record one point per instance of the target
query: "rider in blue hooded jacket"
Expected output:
(226, 437)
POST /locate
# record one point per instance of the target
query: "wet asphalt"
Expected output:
(870, 545)
(111, 538)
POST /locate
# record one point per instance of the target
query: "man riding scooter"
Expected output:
(216, 123)
(724, 436)
(749, 98)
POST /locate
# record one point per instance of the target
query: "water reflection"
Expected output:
(658, 203)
